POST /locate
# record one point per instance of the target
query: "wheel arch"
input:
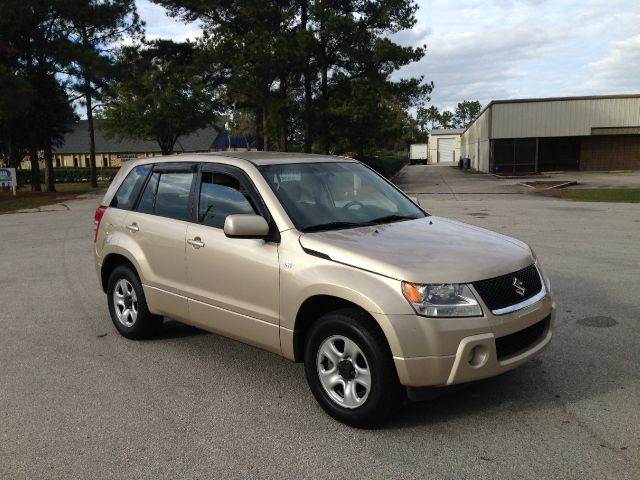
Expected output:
(313, 308)
(110, 263)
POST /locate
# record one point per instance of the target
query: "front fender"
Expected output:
(303, 276)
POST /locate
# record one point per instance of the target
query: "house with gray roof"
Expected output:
(111, 152)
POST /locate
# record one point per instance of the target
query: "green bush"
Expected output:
(386, 164)
(69, 175)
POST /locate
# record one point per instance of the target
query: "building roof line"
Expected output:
(550, 99)
(446, 131)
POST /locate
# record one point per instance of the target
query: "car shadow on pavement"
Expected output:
(174, 329)
(511, 391)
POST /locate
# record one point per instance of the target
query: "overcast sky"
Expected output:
(495, 49)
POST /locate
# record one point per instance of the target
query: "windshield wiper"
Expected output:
(393, 218)
(335, 226)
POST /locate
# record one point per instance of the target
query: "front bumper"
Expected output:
(449, 351)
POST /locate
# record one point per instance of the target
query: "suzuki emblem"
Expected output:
(519, 286)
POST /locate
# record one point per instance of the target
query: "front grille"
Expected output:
(517, 342)
(500, 292)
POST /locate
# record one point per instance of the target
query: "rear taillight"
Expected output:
(97, 218)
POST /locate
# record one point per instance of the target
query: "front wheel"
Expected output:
(350, 370)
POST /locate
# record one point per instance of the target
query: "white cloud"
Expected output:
(161, 25)
(619, 71)
(478, 64)
(526, 48)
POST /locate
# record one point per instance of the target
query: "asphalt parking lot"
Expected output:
(79, 401)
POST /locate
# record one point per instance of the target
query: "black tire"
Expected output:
(146, 324)
(385, 392)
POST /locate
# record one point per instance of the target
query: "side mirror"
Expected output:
(246, 226)
(415, 200)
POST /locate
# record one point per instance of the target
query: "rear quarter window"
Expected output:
(126, 195)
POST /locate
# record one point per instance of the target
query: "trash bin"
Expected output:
(461, 163)
(467, 163)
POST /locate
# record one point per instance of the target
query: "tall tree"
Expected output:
(13, 91)
(311, 51)
(466, 111)
(243, 124)
(306, 41)
(248, 42)
(428, 118)
(96, 27)
(447, 119)
(53, 119)
(33, 36)
(348, 40)
(159, 95)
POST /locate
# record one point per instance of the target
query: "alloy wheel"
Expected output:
(343, 371)
(125, 302)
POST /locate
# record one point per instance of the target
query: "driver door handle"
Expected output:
(196, 242)
(133, 227)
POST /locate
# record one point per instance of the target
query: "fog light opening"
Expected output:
(478, 356)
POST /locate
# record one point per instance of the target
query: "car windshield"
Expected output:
(331, 196)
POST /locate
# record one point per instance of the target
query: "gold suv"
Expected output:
(321, 260)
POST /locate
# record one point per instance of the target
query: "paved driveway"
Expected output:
(79, 401)
(446, 179)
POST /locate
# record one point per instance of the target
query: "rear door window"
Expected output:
(172, 195)
(130, 188)
(222, 195)
(148, 199)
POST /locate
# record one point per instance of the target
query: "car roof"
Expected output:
(253, 157)
(271, 158)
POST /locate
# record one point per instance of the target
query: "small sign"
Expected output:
(123, 157)
(8, 179)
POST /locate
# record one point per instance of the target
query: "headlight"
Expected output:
(442, 300)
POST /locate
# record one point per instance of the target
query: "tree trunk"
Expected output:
(166, 145)
(308, 93)
(324, 99)
(284, 117)
(35, 170)
(88, 100)
(92, 138)
(265, 146)
(14, 155)
(49, 175)
(259, 139)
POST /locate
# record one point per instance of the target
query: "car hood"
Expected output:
(426, 250)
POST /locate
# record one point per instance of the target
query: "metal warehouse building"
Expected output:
(546, 134)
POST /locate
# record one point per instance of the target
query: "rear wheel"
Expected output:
(350, 369)
(128, 306)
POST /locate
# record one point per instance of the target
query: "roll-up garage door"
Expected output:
(446, 148)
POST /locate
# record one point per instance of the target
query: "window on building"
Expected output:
(221, 195)
(128, 191)
(75, 161)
